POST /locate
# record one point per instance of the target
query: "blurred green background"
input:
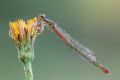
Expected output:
(95, 23)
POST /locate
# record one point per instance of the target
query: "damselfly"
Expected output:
(72, 43)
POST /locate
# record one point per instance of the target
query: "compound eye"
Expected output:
(41, 17)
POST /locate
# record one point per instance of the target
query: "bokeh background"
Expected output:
(95, 23)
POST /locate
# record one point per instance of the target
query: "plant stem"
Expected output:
(28, 70)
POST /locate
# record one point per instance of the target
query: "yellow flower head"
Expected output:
(22, 32)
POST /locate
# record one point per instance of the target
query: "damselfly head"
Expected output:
(42, 17)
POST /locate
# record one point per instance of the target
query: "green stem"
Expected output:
(28, 71)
